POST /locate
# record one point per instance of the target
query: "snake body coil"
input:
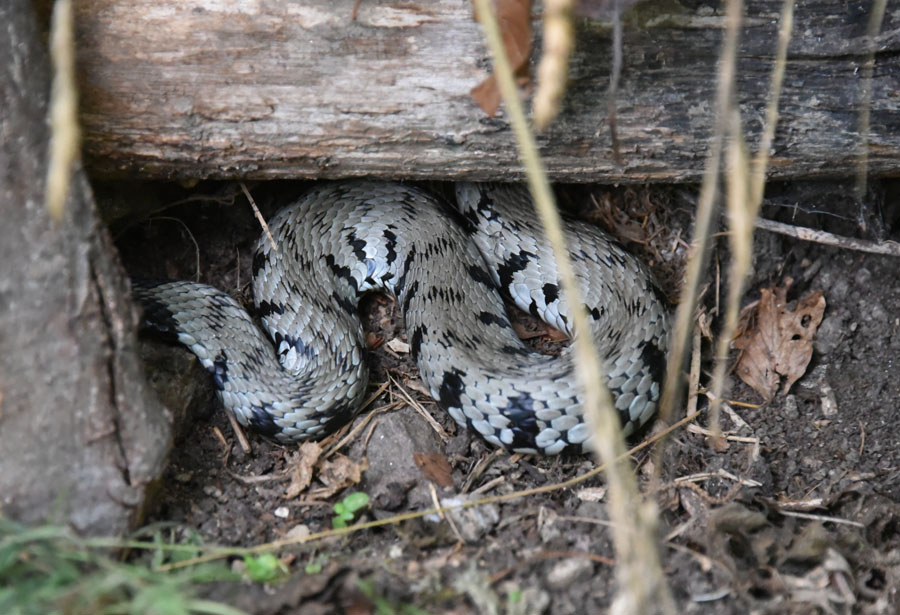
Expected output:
(340, 240)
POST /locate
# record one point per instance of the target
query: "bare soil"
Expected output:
(798, 514)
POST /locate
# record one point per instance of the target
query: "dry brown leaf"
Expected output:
(514, 19)
(304, 461)
(435, 467)
(777, 341)
(337, 473)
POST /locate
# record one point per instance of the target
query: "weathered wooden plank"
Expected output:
(291, 89)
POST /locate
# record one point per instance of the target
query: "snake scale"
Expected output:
(449, 269)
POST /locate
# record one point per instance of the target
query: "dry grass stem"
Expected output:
(553, 70)
(684, 315)
(642, 586)
(65, 134)
(499, 480)
(741, 214)
(745, 193)
(480, 469)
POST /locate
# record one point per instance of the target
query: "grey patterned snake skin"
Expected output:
(448, 270)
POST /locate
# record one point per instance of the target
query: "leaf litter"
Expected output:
(776, 340)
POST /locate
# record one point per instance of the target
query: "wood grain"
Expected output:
(291, 89)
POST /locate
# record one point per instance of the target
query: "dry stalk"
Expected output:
(65, 135)
(745, 194)
(553, 70)
(684, 316)
(642, 587)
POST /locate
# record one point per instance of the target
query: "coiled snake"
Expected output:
(445, 269)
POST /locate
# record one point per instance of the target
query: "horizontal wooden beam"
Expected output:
(291, 89)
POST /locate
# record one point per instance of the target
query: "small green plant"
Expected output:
(346, 509)
(265, 568)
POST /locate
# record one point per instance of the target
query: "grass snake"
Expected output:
(449, 269)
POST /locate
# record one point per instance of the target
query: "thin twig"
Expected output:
(891, 248)
(497, 480)
(262, 221)
(694, 377)
(438, 429)
(721, 473)
(239, 433)
(821, 518)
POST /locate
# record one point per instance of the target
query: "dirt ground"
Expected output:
(799, 513)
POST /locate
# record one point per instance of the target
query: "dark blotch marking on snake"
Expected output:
(512, 265)
(408, 295)
(478, 273)
(342, 272)
(219, 370)
(391, 245)
(551, 293)
(259, 261)
(415, 342)
(451, 389)
(347, 305)
(401, 282)
(296, 343)
(520, 412)
(261, 420)
(266, 308)
(654, 358)
(358, 245)
(489, 318)
(342, 414)
(158, 318)
(519, 351)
